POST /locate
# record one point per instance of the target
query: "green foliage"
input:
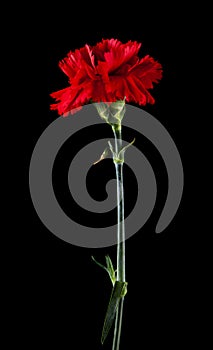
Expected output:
(109, 268)
(118, 292)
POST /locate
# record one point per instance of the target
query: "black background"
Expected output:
(64, 294)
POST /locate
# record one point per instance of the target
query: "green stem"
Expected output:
(118, 324)
(120, 234)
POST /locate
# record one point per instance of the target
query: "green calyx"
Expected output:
(111, 112)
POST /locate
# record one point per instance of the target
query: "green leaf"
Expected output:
(119, 157)
(119, 291)
(103, 156)
(109, 263)
(109, 268)
(99, 264)
(123, 150)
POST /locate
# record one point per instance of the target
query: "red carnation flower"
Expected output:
(106, 72)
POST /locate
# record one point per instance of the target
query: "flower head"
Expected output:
(107, 72)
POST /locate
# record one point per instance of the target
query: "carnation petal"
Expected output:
(148, 71)
(107, 72)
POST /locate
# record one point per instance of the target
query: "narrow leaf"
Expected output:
(119, 290)
(123, 150)
(110, 269)
(103, 156)
(109, 263)
(99, 264)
